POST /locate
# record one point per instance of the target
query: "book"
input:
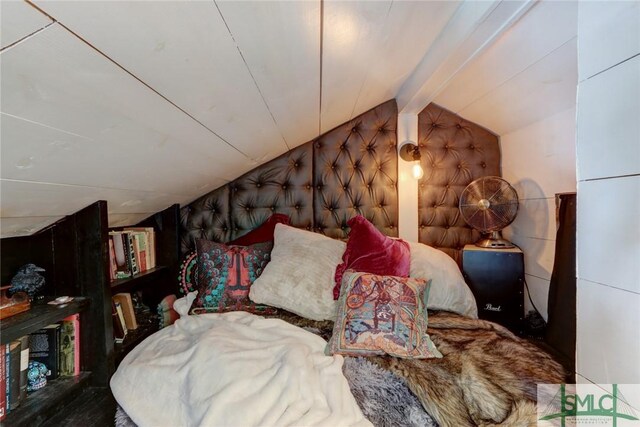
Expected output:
(3, 383)
(24, 366)
(127, 310)
(140, 246)
(69, 346)
(119, 330)
(130, 252)
(14, 375)
(7, 370)
(75, 318)
(43, 348)
(123, 269)
(113, 266)
(150, 243)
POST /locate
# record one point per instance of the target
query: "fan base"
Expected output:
(495, 242)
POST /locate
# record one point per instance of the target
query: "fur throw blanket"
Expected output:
(383, 397)
(487, 375)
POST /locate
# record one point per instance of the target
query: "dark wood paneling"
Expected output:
(93, 277)
(44, 403)
(96, 407)
(167, 226)
(38, 316)
(65, 257)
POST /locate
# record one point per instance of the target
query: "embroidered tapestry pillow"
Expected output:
(382, 315)
(370, 251)
(225, 276)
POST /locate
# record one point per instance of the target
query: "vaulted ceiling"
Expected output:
(145, 104)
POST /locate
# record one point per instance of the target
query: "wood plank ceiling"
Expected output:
(146, 104)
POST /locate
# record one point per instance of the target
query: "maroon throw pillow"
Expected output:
(262, 234)
(370, 251)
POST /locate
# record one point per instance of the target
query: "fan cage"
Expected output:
(489, 204)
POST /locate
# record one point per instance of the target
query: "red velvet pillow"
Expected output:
(262, 234)
(370, 251)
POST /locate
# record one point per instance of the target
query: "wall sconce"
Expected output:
(410, 152)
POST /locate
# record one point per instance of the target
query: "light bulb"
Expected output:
(417, 171)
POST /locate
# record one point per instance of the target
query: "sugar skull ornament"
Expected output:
(36, 375)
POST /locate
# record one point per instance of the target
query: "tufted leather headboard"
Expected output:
(454, 153)
(352, 169)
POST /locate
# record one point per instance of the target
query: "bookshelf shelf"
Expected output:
(45, 402)
(147, 325)
(38, 316)
(138, 281)
(75, 255)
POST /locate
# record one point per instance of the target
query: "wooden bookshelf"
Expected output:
(43, 403)
(147, 325)
(37, 317)
(75, 255)
(138, 281)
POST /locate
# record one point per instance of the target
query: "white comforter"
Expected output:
(234, 369)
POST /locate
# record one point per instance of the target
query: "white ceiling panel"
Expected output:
(100, 127)
(18, 19)
(544, 28)
(24, 199)
(542, 90)
(280, 41)
(122, 220)
(185, 52)
(352, 33)
(34, 152)
(25, 226)
(409, 31)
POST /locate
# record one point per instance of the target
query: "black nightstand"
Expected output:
(496, 278)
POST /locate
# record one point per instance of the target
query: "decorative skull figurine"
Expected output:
(37, 375)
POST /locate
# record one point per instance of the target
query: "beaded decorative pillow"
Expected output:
(188, 276)
(382, 315)
(225, 276)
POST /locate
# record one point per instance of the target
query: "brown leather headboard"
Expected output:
(350, 170)
(454, 153)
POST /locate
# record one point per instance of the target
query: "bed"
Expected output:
(440, 366)
(269, 366)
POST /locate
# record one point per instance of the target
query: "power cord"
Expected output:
(534, 321)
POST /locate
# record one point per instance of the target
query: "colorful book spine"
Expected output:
(123, 269)
(68, 348)
(150, 244)
(7, 370)
(113, 265)
(119, 330)
(140, 245)
(24, 366)
(3, 383)
(14, 375)
(130, 252)
(126, 303)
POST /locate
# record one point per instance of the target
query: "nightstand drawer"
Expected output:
(496, 278)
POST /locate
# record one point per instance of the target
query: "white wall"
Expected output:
(539, 161)
(407, 184)
(523, 87)
(608, 156)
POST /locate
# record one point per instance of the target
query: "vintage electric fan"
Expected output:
(489, 204)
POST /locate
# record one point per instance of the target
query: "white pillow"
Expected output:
(300, 276)
(448, 288)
